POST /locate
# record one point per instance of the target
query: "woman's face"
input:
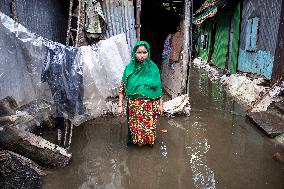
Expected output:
(141, 53)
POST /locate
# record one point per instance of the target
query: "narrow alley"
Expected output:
(83, 82)
(215, 147)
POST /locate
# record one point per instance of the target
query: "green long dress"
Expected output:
(141, 84)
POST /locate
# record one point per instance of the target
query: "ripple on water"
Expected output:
(202, 175)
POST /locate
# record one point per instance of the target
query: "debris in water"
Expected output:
(164, 130)
(178, 105)
(279, 156)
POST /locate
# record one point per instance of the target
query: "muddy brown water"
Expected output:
(215, 147)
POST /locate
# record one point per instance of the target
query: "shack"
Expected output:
(260, 38)
(61, 63)
(243, 36)
(219, 26)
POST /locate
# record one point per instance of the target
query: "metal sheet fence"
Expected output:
(261, 60)
(120, 19)
(269, 14)
(46, 18)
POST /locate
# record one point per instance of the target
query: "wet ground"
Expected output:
(216, 147)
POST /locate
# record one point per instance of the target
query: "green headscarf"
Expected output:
(142, 79)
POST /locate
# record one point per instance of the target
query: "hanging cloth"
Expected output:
(167, 49)
(95, 19)
(176, 47)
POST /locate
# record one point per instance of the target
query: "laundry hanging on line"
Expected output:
(172, 49)
(64, 76)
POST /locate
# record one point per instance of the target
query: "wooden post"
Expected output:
(190, 45)
(33, 147)
(80, 24)
(138, 20)
(70, 136)
(69, 22)
(278, 67)
(186, 47)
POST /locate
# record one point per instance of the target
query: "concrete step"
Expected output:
(271, 122)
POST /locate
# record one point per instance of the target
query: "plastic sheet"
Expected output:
(103, 68)
(21, 59)
(83, 78)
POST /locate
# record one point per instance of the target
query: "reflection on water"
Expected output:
(216, 147)
(203, 176)
(176, 124)
(164, 150)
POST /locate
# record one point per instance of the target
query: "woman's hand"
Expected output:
(120, 104)
(120, 111)
(161, 108)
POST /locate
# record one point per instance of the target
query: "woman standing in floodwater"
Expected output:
(141, 84)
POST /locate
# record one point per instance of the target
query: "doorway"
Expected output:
(159, 20)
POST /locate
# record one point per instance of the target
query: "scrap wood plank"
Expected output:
(33, 147)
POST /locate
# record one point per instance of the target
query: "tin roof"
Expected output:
(209, 9)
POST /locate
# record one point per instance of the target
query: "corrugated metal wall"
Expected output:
(120, 19)
(236, 36)
(221, 40)
(205, 30)
(5, 7)
(261, 61)
(43, 17)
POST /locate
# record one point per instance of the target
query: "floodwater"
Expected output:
(215, 147)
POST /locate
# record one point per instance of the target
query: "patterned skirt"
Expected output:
(142, 120)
